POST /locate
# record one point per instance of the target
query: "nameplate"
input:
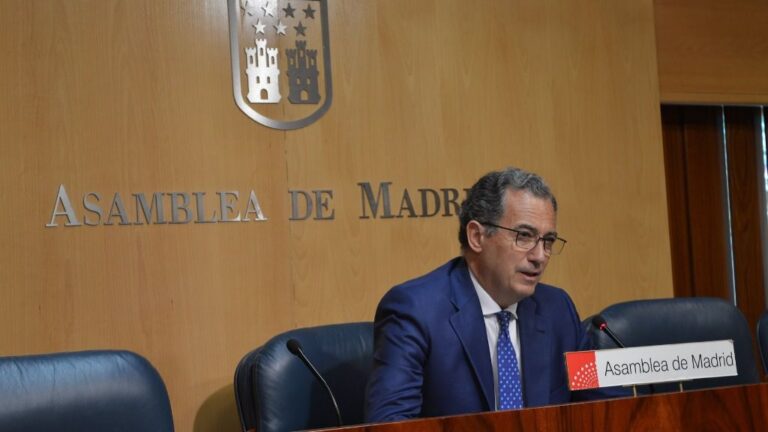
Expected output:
(650, 364)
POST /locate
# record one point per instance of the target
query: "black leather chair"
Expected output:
(276, 392)
(762, 339)
(680, 320)
(82, 391)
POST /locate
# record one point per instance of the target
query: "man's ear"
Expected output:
(475, 233)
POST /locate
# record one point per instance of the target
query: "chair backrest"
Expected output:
(82, 391)
(275, 391)
(680, 320)
(762, 339)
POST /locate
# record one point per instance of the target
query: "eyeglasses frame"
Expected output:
(536, 243)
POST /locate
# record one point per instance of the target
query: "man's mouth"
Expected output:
(530, 274)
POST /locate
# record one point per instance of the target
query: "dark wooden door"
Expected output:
(715, 192)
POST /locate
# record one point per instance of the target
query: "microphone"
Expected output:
(295, 348)
(599, 322)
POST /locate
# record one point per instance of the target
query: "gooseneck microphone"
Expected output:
(295, 348)
(599, 322)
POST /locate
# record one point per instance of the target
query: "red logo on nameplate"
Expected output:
(582, 370)
(281, 60)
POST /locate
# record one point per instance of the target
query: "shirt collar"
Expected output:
(487, 304)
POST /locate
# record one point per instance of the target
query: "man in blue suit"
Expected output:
(443, 340)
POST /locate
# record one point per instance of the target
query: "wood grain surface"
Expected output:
(135, 97)
(733, 408)
(711, 51)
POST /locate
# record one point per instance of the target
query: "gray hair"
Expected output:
(485, 201)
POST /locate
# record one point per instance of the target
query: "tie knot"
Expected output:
(504, 317)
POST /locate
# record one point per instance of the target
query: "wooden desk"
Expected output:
(740, 408)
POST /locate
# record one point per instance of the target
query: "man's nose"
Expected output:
(537, 253)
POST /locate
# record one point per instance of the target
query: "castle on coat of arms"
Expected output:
(263, 72)
(302, 74)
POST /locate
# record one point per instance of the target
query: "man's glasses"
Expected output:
(526, 240)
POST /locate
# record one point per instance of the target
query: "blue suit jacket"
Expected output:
(431, 354)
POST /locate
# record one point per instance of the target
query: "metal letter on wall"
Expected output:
(281, 60)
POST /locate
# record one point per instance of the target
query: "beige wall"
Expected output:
(135, 96)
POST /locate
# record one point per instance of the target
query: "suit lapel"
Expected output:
(535, 347)
(469, 326)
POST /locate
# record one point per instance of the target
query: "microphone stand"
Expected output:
(295, 348)
(599, 322)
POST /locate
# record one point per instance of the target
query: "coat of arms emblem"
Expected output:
(281, 60)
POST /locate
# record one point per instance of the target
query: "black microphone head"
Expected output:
(293, 346)
(598, 321)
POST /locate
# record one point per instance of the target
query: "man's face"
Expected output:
(510, 273)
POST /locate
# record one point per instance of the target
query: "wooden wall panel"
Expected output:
(697, 201)
(746, 178)
(709, 217)
(135, 97)
(437, 104)
(711, 51)
(675, 162)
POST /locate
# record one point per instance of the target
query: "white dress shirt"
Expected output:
(490, 308)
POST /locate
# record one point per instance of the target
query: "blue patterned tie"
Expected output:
(510, 390)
